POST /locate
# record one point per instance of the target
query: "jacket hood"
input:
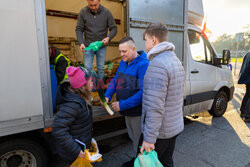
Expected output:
(163, 46)
(64, 95)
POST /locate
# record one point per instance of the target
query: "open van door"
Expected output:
(170, 12)
(173, 13)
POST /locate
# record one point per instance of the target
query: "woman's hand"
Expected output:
(81, 154)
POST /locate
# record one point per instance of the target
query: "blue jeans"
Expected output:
(88, 57)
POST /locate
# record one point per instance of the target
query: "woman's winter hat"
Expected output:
(77, 76)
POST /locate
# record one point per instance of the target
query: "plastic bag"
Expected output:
(95, 46)
(81, 162)
(92, 154)
(147, 160)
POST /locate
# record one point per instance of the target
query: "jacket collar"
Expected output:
(163, 46)
(65, 95)
(142, 55)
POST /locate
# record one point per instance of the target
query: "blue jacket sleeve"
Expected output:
(112, 86)
(136, 99)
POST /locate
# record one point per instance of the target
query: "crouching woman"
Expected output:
(74, 116)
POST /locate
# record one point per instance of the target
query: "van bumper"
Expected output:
(231, 92)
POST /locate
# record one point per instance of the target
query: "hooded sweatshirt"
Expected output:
(162, 103)
(128, 85)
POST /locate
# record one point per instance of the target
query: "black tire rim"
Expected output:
(221, 104)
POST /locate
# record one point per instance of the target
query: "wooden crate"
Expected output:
(68, 47)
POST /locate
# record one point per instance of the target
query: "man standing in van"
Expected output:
(162, 117)
(94, 21)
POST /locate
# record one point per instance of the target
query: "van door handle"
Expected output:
(194, 71)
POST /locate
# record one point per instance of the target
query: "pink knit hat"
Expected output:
(76, 77)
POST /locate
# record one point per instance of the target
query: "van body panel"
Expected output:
(206, 79)
(19, 61)
(25, 97)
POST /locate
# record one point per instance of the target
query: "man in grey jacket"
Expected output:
(94, 21)
(162, 116)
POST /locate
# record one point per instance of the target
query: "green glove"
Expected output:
(95, 46)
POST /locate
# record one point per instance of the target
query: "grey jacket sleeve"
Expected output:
(154, 96)
(80, 28)
(112, 26)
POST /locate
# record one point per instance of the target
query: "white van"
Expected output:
(28, 26)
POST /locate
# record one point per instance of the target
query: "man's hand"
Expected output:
(107, 99)
(82, 46)
(81, 154)
(147, 147)
(105, 41)
(115, 106)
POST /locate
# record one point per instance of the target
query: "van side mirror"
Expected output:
(226, 57)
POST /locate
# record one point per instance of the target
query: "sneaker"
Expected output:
(247, 120)
(129, 163)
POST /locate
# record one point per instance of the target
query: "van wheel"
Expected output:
(220, 104)
(22, 153)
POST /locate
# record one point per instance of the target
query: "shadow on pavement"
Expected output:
(212, 141)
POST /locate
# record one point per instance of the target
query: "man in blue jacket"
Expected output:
(128, 85)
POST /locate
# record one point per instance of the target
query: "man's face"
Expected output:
(127, 52)
(149, 42)
(94, 5)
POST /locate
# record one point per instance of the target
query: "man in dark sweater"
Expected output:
(94, 21)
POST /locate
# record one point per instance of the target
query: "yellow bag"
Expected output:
(81, 162)
(91, 155)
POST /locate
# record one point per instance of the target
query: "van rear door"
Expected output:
(170, 12)
(25, 97)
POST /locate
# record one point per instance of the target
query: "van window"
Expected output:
(197, 46)
(200, 48)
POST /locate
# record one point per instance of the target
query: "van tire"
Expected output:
(22, 152)
(220, 104)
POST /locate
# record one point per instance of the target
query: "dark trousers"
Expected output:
(164, 149)
(245, 105)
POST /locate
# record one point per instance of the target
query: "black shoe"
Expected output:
(129, 163)
(247, 120)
